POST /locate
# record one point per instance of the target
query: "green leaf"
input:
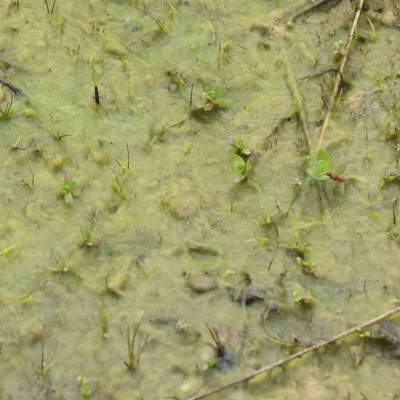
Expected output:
(301, 296)
(316, 174)
(26, 299)
(212, 364)
(8, 250)
(69, 199)
(240, 178)
(324, 158)
(62, 189)
(85, 391)
(249, 166)
(212, 92)
(70, 186)
(87, 236)
(323, 166)
(239, 144)
(238, 163)
(67, 187)
(339, 170)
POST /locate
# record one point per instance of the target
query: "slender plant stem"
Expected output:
(339, 76)
(47, 6)
(298, 97)
(52, 8)
(297, 355)
(96, 89)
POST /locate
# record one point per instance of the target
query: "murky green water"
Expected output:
(157, 231)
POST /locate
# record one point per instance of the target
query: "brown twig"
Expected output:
(339, 76)
(128, 155)
(297, 355)
(13, 88)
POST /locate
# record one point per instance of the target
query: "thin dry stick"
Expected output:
(297, 355)
(339, 75)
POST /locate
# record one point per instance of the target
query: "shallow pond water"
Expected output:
(157, 232)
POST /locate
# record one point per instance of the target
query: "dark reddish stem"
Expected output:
(337, 178)
(96, 95)
(96, 89)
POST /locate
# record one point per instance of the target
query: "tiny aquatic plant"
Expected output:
(5, 114)
(306, 266)
(162, 29)
(116, 187)
(239, 146)
(224, 358)
(302, 297)
(242, 167)
(134, 359)
(324, 169)
(243, 161)
(212, 95)
(67, 188)
(372, 35)
(213, 102)
(84, 387)
(340, 51)
(176, 81)
(226, 50)
(87, 237)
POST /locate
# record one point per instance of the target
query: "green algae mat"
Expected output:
(167, 222)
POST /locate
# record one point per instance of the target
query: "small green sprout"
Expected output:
(116, 187)
(5, 114)
(211, 364)
(176, 81)
(134, 359)
(212, 94)
(242, 167)
(289, 25)
(67, 189)
(340, 46)
(372, 36)
(306, 266)
(26, 299)
(324, 170)
(302, 297)
(238, 145)
(162, 29)
(84, 387)
(213, 102)
(87, 237)
(339, 52)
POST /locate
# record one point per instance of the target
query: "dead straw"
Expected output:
(339, 76)
(299, 354)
